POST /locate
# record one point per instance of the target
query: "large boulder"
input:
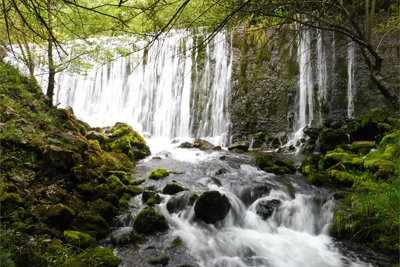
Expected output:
(186, 145)
(241, 145)
(149, 221)
(313, 131)
(212, 207)
(78, 239)
(203, 144)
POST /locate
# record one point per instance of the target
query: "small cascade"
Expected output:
(305, 96)
(350, 83)
(175, 92)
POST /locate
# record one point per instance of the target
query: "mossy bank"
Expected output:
(62, 181)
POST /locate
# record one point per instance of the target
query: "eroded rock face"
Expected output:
(212, 207)
(241, 145)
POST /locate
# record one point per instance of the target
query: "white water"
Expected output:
(295, 235)
(171, 95)
(350, 82)
(321, 69)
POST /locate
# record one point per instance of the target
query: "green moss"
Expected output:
(133, 190)
(334, 158)
(381, 167)
(317, 178)
(149, 221)
(158, 174)
(94, 257)
(125, 180)
(342, 177)
(355, 146)
(94, 145)
(92, 224)
(78, 239)
(115, 185)
(124, 201)
(277, 170)
(101, 191)
(311, 164)
(9, 202)
(113, 199)
(104, 208)
(176, 243)
(151, 201)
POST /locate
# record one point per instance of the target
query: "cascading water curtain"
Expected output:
(306, 88)
(175, 92)
(321, 72)
(350, 82)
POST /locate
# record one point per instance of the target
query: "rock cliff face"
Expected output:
(266, 79)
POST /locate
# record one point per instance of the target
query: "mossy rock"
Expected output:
(97, 256)
(9, 202)
(116, 161)
(80, 174)
(113, 199)
(277, 170)
(212, 207)
(75, 203)
(148, 194)
(57, 215)
(125, 180)
(342, 177)
(7, 188)
(259, 139)
(355, 164)
(124, 201)
(391, 138)
(356, 146)
(149, 221)
(391, 152)
(282, 163)
(93, 135)
(92, 224)
(343, 224)
(94, 145)
(330, 138)
(78, 239)
(104, 208)
(318, 178)
(310, 164)
(151, 202)
(172, 189)
(381, 167)
(133, 190)
(115, 185)
(58, 157)
(334, 158)
(370, 121)
(101, 191)
(16, 214)
(29, 255)
(265, 161)
(158, 173)
(126, 140)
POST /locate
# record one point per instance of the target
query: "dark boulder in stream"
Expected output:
(172, 189)
(241, 145)
(212, 207)
(203, 144)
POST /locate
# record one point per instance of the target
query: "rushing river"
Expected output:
(297, 233)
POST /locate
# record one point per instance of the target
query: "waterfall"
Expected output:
(350, 83)
(321, 69)
(169, 94)
(306, 88)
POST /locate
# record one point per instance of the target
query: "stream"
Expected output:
(296, 234)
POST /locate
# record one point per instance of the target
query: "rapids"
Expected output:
(295, 235)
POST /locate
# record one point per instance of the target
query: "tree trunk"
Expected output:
(52, 70)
